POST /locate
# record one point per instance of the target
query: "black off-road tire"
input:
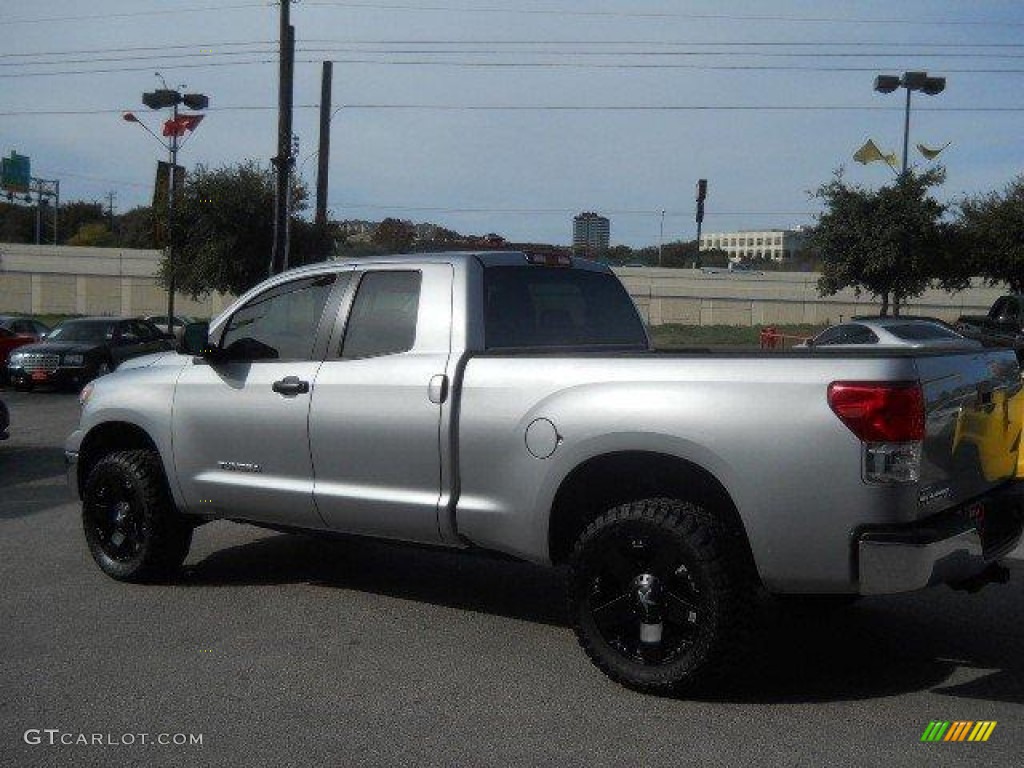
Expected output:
(716, 574)
(151, 539)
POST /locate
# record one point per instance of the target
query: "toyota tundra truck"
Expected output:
(512, 403)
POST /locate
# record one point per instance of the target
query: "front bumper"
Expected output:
(60, 376)
(947, 548)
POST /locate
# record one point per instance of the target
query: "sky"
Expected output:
(510, 116)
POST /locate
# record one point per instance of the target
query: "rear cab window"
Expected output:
(538, 306)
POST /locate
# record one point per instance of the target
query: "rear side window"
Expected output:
(279, 324)
(922, 332)
(553, 307)
(859, 334)
(383, 317)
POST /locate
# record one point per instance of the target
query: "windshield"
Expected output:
(555, 307)
(79, 330)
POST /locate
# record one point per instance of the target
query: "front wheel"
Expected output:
(658, 596)
(133, 531)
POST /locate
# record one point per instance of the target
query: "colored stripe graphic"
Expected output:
(982, 730)
(935, 731)
(958, 730)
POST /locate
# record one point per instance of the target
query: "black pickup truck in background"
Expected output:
(1003, 326)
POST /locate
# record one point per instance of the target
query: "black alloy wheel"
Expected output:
(131, 526)
(659, 595)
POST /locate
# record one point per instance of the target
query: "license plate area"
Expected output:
(39, 376)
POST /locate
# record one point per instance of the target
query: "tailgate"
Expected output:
(973, 425)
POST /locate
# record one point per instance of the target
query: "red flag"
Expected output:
(180, 126)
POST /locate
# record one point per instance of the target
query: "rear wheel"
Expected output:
(659, 596)
(133, 531)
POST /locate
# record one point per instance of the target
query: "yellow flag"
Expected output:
(870, 153)
(931, 154)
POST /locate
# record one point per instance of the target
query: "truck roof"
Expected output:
(484, 258)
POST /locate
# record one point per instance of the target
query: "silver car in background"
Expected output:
(905, 332)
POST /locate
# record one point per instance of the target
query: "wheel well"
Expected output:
(616, 478)
(107, 438)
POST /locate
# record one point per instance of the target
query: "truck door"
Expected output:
(380, 396)
(241, 443)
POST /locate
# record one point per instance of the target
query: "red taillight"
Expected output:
(879, 412)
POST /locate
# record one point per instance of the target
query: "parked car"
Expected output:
(79, 350)
(17, 332)
(904, 332)
(1003, 326)
(24, 326)
(178, 323)
(5, 420)
(511, 402)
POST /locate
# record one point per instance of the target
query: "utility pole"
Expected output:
(702, 193)
(661, 237)
(284, 160)
(110, 208)
(325, 144)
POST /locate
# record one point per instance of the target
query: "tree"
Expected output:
(223, 230)
(17, 223)
(395, 235)
(992, 228)
(135, 228)
(74, 215)
(888, 242)
(93, 234)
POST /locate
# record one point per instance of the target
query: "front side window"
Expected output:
(281, 323)
(383, 317)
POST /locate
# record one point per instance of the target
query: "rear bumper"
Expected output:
(942, 549)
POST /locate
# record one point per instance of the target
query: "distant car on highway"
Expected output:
(178, 323)
(734, 268)
(79, 350)
(908, 332)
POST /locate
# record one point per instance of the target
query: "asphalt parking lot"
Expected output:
(285, 650)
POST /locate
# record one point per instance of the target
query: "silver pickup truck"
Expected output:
(510, 402)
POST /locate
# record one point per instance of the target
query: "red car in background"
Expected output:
(16, 332)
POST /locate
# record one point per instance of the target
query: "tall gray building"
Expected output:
(591, 233)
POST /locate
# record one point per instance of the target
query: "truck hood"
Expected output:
(145, 361)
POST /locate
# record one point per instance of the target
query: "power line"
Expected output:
(924, 21)
(132, 14)
(516, 65)
(552, 211)
(421, 41)
(551, 108)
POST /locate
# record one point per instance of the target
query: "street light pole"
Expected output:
(171, 281)
(911, 81)
(931, 86)
(173, 129)
(906, 134)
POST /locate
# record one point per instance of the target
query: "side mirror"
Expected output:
(195, 340)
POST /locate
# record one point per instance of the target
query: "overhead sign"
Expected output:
(15, 173)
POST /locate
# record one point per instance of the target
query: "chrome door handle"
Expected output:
(438, 389)
(291, 385)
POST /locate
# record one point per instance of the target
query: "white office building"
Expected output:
(774, 244)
